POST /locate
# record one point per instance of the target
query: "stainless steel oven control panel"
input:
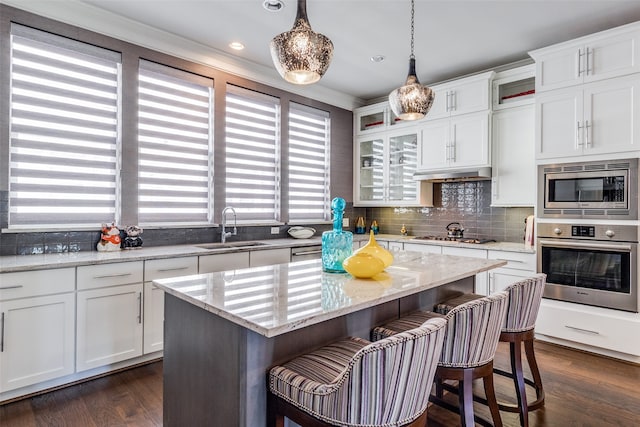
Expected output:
(601, 232)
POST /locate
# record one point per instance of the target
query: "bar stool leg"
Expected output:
(490, 393)
(465, 398)
(535, 373)
(518, 381)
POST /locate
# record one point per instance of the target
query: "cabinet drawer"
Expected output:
(24, 284)
(171, 267)
(417, 247)
(592, 326)
(102, 275)
(473, 253)
(269, 257)
(515, 260)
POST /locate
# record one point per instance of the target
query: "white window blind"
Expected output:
(309, 142)
(64, 139)
(174, 137)
(252, 154)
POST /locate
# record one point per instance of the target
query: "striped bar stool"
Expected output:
(518, 329)
(470, 344)
(354, 382)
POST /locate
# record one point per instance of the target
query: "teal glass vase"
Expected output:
(337, 244)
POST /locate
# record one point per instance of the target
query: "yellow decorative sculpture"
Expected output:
(363, 265)
(376, 250)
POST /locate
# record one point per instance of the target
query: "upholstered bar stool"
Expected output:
(518, 330)
(354, 382)
(470, 344)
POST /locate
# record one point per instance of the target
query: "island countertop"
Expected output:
(277, 299)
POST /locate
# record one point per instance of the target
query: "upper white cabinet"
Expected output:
(384, 166)
(513, 138)
(603, 55)
(454, 143)
(462, 96)
(376, 118)
(597, 118)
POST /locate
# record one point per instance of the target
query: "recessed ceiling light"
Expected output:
(377, 58)
(236, 45)
(273, 5)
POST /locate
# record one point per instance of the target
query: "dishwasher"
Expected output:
(302, 253)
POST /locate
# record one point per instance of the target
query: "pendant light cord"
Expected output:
(412, 29)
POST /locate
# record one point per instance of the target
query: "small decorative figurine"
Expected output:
(110, 239)
(403, 230)
(133, 239)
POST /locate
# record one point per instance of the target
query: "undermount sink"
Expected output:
(229, 245)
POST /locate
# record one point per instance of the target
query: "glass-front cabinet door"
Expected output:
(384, 173)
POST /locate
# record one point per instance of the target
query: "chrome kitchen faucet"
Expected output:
(225, 233)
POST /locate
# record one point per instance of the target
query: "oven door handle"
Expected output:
(622, 247)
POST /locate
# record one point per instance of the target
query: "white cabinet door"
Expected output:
(222, 262)
(558, 118)
(559, 68)
(38, 340)
(417, 247)
(611, 114)
(469, 140)
(469, 96)
(500, 278)
(433, 151)
(513, 166)
(153, 333)
(482, 280)
(109, 325)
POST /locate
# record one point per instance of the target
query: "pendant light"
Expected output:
(413, 100)
(300, 55)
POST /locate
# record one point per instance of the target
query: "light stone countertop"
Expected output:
(72, 259)
(276, 299)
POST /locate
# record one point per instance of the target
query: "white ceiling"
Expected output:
(453, 37)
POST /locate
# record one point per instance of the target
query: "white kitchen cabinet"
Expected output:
(520, 265)
(269, 257)
(109, 325)
(37, 326)
(598, 118)
(482, 280)
(222, 262)
(109, 314)
(384, 168)
(461, 96)
(375, 118)
(591, 326)
(513, 168)
(600, 56)
(417, 247)
(454, 143)
(153, 324)
(38, 338)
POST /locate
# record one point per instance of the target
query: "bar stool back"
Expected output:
(354, 382)
(470, 344)
(525, 297)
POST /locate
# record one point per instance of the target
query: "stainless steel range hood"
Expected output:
(453, 175)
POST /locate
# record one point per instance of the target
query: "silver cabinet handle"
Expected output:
(580, 54)
(587, 126)
(578, 127)
(2, 332)
(454, 100)
(510, 260)
(139, 307)
(307, 253)
(587, 62)
(586, 331)
(4, 288)
(106, 276)
(164, 270)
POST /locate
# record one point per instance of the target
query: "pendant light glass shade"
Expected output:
(413, 100)
(300, 55)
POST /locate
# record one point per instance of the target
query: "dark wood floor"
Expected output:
(582, 390)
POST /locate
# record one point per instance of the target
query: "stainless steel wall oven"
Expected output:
(590, 264)
(603, 189)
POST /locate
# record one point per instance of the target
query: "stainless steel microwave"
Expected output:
(603, 189)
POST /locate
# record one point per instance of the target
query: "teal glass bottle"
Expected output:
(337, 244)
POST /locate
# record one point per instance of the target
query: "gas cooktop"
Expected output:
(455, 239)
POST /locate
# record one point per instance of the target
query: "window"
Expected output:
(64, 137)
(252, 145)
(309, 141)
(174, 137)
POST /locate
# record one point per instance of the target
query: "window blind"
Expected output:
(174, 144)
(252, 145)
(64, 138)
(309, 142)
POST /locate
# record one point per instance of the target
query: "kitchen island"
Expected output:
(223, 331)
